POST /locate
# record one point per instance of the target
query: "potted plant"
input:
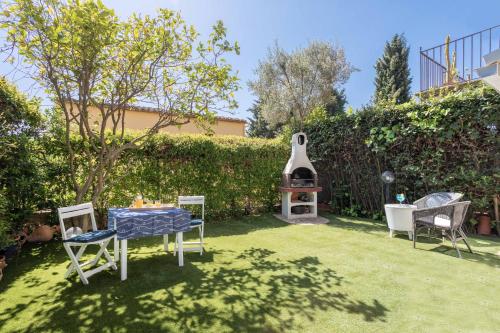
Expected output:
(40, 233)
(483, 217)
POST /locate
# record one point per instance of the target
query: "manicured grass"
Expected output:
(262, 275)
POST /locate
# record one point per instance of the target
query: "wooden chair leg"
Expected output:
(201, 229)
(79, 254)
(108, 256)
(76, 264)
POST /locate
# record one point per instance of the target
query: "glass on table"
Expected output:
(138, 202)
(400, 197)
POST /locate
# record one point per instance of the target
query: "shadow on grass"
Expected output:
(33, 256)
(252, 291)
(243, 225)
(357, 224)
(477, 243)
(479, 257)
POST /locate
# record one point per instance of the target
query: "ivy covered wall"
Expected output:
(448, 143)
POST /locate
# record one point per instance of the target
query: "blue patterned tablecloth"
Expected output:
(135, 224)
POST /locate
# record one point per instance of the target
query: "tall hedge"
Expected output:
(449, 143)
(20, 180)
(237, 175)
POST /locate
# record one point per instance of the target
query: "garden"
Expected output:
(253, 267)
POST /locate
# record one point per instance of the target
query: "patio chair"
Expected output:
(437, 199)
(448, 218)
(194, 224)
(74, 238)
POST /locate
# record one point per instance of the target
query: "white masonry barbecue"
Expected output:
(299, 190)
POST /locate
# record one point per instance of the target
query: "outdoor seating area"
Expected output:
(259, 166)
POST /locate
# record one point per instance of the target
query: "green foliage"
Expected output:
(393, 81)
(337, 102)
(440, 144)
(258, 127)
(291, 85)
(237, 175)
(85, 56)
(21, 185)
(4, 223)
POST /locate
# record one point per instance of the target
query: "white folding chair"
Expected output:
(195, 223)
(74, 238)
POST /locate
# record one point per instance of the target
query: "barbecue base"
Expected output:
(303, 221)
(292, 208)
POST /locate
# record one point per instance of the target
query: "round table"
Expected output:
(399, 218)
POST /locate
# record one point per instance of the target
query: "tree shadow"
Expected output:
(252, 291)
(32, 256)
(477, 257)
(481, 245)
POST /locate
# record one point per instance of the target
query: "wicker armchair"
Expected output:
(448, 218)
(438, 199)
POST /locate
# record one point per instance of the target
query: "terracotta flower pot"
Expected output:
(42, 233)
(484, 226)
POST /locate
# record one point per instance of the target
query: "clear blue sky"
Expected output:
(361, 27)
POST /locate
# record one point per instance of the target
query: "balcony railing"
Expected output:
(469, 52)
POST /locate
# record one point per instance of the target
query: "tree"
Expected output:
(291, 85)
(337, 102)
(84, 56)
(393, 81)
(258, 127)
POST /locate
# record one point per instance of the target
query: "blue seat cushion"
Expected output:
(196, 222)
(91, 236)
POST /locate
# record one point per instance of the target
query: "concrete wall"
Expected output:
(140, 120)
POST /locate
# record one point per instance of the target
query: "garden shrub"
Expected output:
(21, 186)
(237, 175)
(440, 144)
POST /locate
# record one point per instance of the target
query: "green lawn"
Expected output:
(262, 275)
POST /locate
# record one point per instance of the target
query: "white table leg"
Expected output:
(391, 233)
(180, 249)
(123, 264)
(410, 235)
(165, 242)
(116, 250)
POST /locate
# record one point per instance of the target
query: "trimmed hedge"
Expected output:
(237, 175)
(445, 144)
(440, 144)
(21, 187)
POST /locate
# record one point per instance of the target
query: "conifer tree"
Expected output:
(393, 81)
(258, 127)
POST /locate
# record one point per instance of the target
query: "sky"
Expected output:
(360, 27)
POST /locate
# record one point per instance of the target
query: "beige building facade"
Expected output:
(140, 118)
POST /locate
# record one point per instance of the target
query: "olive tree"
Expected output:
(84, 56)
(291, 85)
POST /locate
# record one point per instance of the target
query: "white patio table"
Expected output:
(399, 218)
(135, 223)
